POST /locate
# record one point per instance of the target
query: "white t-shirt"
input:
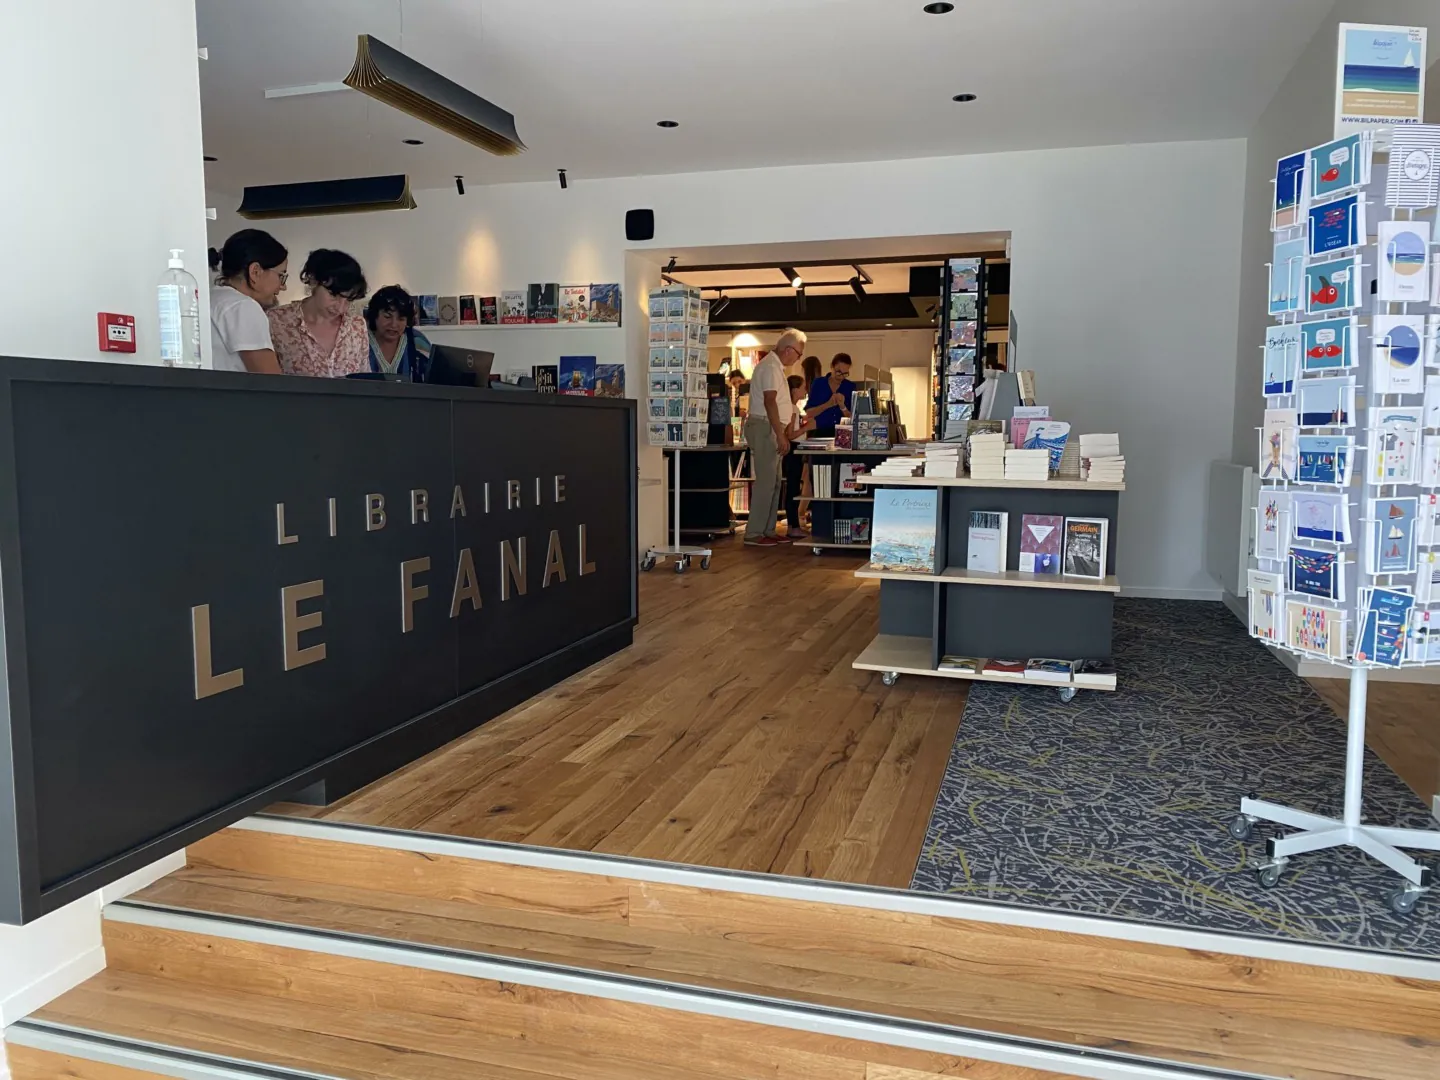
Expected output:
(769, 375)
(237, 324)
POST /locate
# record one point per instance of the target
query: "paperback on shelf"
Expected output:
(449, 310)
(986, 541)
(1027, 465)
(1053, 671)
(489, 311)
(512, 307)
(968, 665)
(541, 302)
(1040, 543)
(905, 530)
(1099, 673)
(604, 304)
(1086, 547)
(574, 304)
(428, 308)
(469, 311)
(577, 375)
(1005, 669)
(987, 456)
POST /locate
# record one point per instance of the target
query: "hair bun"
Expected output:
(214, 258)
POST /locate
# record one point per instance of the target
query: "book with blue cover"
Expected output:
(1316, 573)
(1385, 626)
(905, 530)
(1329, 344)
(604, 304)
(1282, 347)
(1325, 459)
(1289, 191)
(577, 375)
(1391, 536)
(1332, 285)
(1051, 435)
(1287, 276)
(1335, 226)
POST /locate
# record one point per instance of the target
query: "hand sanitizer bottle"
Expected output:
(179, 299)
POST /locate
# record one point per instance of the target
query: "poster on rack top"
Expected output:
(1379, 78)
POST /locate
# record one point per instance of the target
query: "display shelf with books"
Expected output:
(1349, 454)
(841, 504)
(950, 559)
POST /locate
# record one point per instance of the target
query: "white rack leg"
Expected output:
(679, 551)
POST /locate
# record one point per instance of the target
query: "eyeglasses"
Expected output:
(284, 277)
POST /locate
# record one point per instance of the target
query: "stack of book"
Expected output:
(1101, 460)
(943, 459)
(987, 456)
(899, 466)
(1030, 465)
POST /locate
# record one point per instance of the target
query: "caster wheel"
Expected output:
(889, 677)
(705, 562)
(1242, 827)
(1269, 875)
(648, 563)
(1067, 693)
(1402, 901)
(816, 550)
(681, 565)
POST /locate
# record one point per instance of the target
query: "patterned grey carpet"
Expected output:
(1116, 804)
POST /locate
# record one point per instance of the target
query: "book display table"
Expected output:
(834, 513)
(1010, 614)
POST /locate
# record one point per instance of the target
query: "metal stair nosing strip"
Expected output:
(752, 1008)
(846, 894)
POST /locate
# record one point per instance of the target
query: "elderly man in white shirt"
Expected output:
(770, 412)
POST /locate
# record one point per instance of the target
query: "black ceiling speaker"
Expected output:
(388, 75)
(357, 195)
(639, 224)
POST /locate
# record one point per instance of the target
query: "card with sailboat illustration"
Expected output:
(1282, 349)
(1325, 459)
(1398, 354)
(1404, 257)
(1318, 516)
(1332, 285)
(1329, 344)
(1390, 536)
(1327, 402)
(1287, 276)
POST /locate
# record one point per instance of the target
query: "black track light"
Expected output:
(460, 185)
(800, 299)
(791, 276)
(858, 288)
(563, 182)
(720, 304)
(670, 266)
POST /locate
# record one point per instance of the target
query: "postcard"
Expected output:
(1271, 516)
(1336, 167)
(1430, 462)
(1396, 359)
(1379, 77)
(1289, 192)
(1427, 532)
(1384, 627)
(1265, 600)
(1279, 448)
(1391, 536)
(1316, 573)
(1394, 445)
(1335, 226)
(1329, 344)
(1314, 628)
(1282, 347)
(1316, 516)
(1287, 276)
(1404, 256)
(1327, 402)
(1331, 285)
(1431, 410)
(1325, 459)
(1413, 179)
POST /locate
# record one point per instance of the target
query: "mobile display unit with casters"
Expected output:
(676, 550)
(1010, 614)
(1346, 564)
(833, 513)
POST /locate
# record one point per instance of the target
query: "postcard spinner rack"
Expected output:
(1337, 580)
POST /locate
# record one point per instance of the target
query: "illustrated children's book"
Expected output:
(512, 306)
(1327, 402)
(1325, 459)
(1404, 257)
(1314, 628)
(1384, 626)
(1282, 351)
(1287, 276)
(1272, 515)
(1266, 596)
(1335, 226)
(1394, 446)
(1391, 536)
(1317, 516)
(1041, 536)
(604, 303)
(542, 301)
(577, 375)
(1316, 573)
(1332, 285)
(988, 540)
(1290, 191)
(574, 303)
(1328, 344)
(1397, 359)
(905, 529)
(610, 380)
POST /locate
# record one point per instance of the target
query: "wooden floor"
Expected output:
(735, 734)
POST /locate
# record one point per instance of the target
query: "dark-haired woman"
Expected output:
(252, 271)
(396, 347)
(319, 335)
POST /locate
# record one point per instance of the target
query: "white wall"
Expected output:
(103, 173)
(1124, 275)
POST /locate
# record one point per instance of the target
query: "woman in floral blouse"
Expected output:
(319, 335)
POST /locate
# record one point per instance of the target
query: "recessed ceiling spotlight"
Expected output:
(211, 157)
(963, 97)
(414, 142)
(667, 123)
(889, 324)
(939, 9)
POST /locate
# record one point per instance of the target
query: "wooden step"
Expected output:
(1165, 1004)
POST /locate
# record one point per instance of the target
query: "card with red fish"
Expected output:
(1339, 166)
(1333, 285)
(1329, 344)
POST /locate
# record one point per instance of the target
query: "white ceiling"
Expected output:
(752, 82)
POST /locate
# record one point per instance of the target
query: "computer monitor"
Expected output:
(451, 366)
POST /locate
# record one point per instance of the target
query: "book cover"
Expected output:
(1044, 670)
(1314, 628)
(512, 306)
(541, 302)
(1328, 344)
(1315, 573)
(1084, 551)
(1404, 257)
(1335, 167)
(1282, 347)
(449, 311)
(1289, 191)
(577, 375)
(847, 474)
(1265, 599)
(1327, 402)
(1413, 179)
(1317, 516)
(1272, 515)
(1391, 542)
(489, 310)
(1094, 673)
(904, 530)
(1331, 285)
(469, 311)
(1394, 445)
(1040, 541)
(428, 308)
(1049, 435)
(966, 665)
(1335, 226)
(1384, 626)
(1005, 669)
(1397, 359)
(604, 303)
(610, 380)
(574, 303)
(986, 541)
(1325, 459)
(547, 378)
(1287, 276)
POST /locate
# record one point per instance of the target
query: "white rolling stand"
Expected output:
(676, 550)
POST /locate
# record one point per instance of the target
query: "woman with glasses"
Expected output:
(396, 347)
(252, 271)
(320, 335)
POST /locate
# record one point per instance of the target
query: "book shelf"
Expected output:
(828, 510)
(1007, 615)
